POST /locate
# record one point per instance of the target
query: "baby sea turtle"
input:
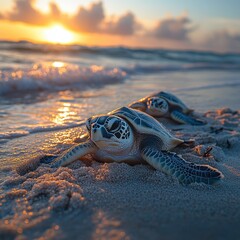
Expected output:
(166, 105)
(131, 136)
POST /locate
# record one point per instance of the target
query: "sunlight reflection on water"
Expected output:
(64, 113)
(58, 64)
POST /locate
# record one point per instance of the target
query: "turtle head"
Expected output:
(157, 106)
(139, 105)
(110, 133)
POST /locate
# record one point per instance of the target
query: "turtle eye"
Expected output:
(113, 126)
(160, 103)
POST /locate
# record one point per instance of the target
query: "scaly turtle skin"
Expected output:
(127, 135)
(166, 105)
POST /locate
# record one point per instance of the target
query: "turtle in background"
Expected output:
(166, 105)
(131, 136)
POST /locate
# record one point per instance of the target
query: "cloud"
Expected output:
(24, 12)
(223, 41)
(92, 19)
(124, 25)
(55, 12)
(89, 19)
(173, 29)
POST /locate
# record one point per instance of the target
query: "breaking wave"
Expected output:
(58, 76)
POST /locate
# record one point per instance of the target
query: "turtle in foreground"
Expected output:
(166, 105)
(131, 136)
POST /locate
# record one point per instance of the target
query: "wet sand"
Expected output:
(90, 200)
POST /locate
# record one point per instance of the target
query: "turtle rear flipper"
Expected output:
(74, 153)
(182, 118)
(176, 166)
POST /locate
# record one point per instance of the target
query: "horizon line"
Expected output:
(214, 52)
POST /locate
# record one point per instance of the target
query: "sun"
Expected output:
(58, 34)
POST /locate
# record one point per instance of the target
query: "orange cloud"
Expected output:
(24, 12)
(89, 20)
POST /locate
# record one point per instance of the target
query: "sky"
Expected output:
(176, 24)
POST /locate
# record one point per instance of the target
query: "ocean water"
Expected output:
(48, 91)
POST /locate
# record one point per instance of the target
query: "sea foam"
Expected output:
(58, 76)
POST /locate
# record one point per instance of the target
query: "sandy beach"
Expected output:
(90, 200)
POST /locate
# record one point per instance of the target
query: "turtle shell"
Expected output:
(145, 124)
(173, 100)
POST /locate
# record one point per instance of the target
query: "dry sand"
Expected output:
(118, 201)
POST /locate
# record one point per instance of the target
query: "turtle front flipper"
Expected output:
(182, 118)
(176, 166)
(74, 153)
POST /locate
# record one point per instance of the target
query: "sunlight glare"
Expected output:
(58, 34)
(58, 64)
